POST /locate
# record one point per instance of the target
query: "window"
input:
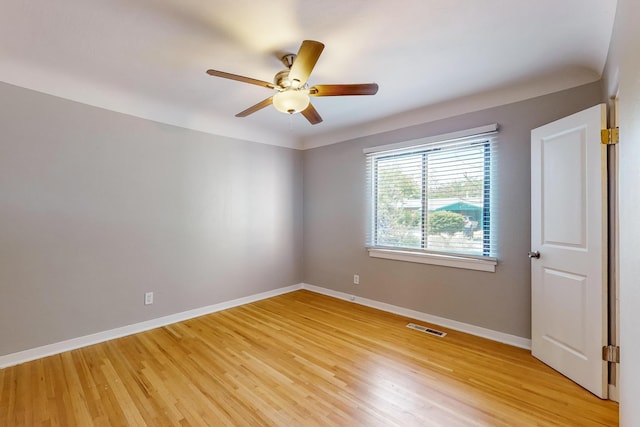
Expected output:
(433, 197)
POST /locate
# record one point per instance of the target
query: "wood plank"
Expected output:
(296, 359)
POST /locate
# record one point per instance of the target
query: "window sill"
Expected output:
(457, 261)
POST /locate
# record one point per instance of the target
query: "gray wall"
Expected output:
(98, 207)
(335, 222)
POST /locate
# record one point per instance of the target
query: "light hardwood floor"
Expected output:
(300, 359)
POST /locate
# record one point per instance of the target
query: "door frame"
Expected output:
(614, 250)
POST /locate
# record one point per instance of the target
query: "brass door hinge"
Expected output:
(611, 353)
(610, 136)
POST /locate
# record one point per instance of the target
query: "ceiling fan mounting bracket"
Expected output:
(288, 59)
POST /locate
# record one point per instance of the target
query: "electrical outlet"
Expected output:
(356, 279)
(148, 298)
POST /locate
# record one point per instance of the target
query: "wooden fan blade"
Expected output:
(311, 114)
(230, 76)
(259, 106)
(305, 61)
(342, 90)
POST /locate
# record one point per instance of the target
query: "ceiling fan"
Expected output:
(292, 91)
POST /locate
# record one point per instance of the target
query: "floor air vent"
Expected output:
(426, 330)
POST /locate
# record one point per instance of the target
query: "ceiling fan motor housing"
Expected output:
(281, 79)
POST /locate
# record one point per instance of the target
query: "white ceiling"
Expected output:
(431, 58)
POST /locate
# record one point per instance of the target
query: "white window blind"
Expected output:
(433, 195)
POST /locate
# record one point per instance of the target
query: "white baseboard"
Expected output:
(75, 343)
(436, 320)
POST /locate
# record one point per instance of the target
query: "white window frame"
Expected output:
(425, 256)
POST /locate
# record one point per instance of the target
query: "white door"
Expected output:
(569, 231)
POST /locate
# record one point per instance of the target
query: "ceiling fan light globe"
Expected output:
(291, 101)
